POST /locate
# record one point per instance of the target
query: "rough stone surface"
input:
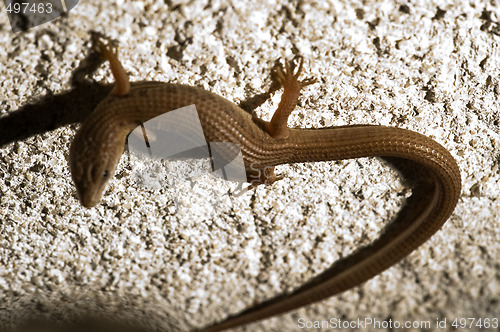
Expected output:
(140, 257)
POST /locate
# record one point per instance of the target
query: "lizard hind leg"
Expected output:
(288, 78)
(262, 176)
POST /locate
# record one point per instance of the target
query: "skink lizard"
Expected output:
(99, 144)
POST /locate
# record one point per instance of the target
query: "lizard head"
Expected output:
(93, 161)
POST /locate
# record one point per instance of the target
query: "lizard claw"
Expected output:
(288, 75)
(103, 45)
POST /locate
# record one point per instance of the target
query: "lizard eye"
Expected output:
(105, 173)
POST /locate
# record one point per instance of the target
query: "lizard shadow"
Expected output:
(74, 106)
(88, 312)
(56, 110)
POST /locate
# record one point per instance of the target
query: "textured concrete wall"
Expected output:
(432, 68)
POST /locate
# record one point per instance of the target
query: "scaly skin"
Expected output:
(98, 146)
